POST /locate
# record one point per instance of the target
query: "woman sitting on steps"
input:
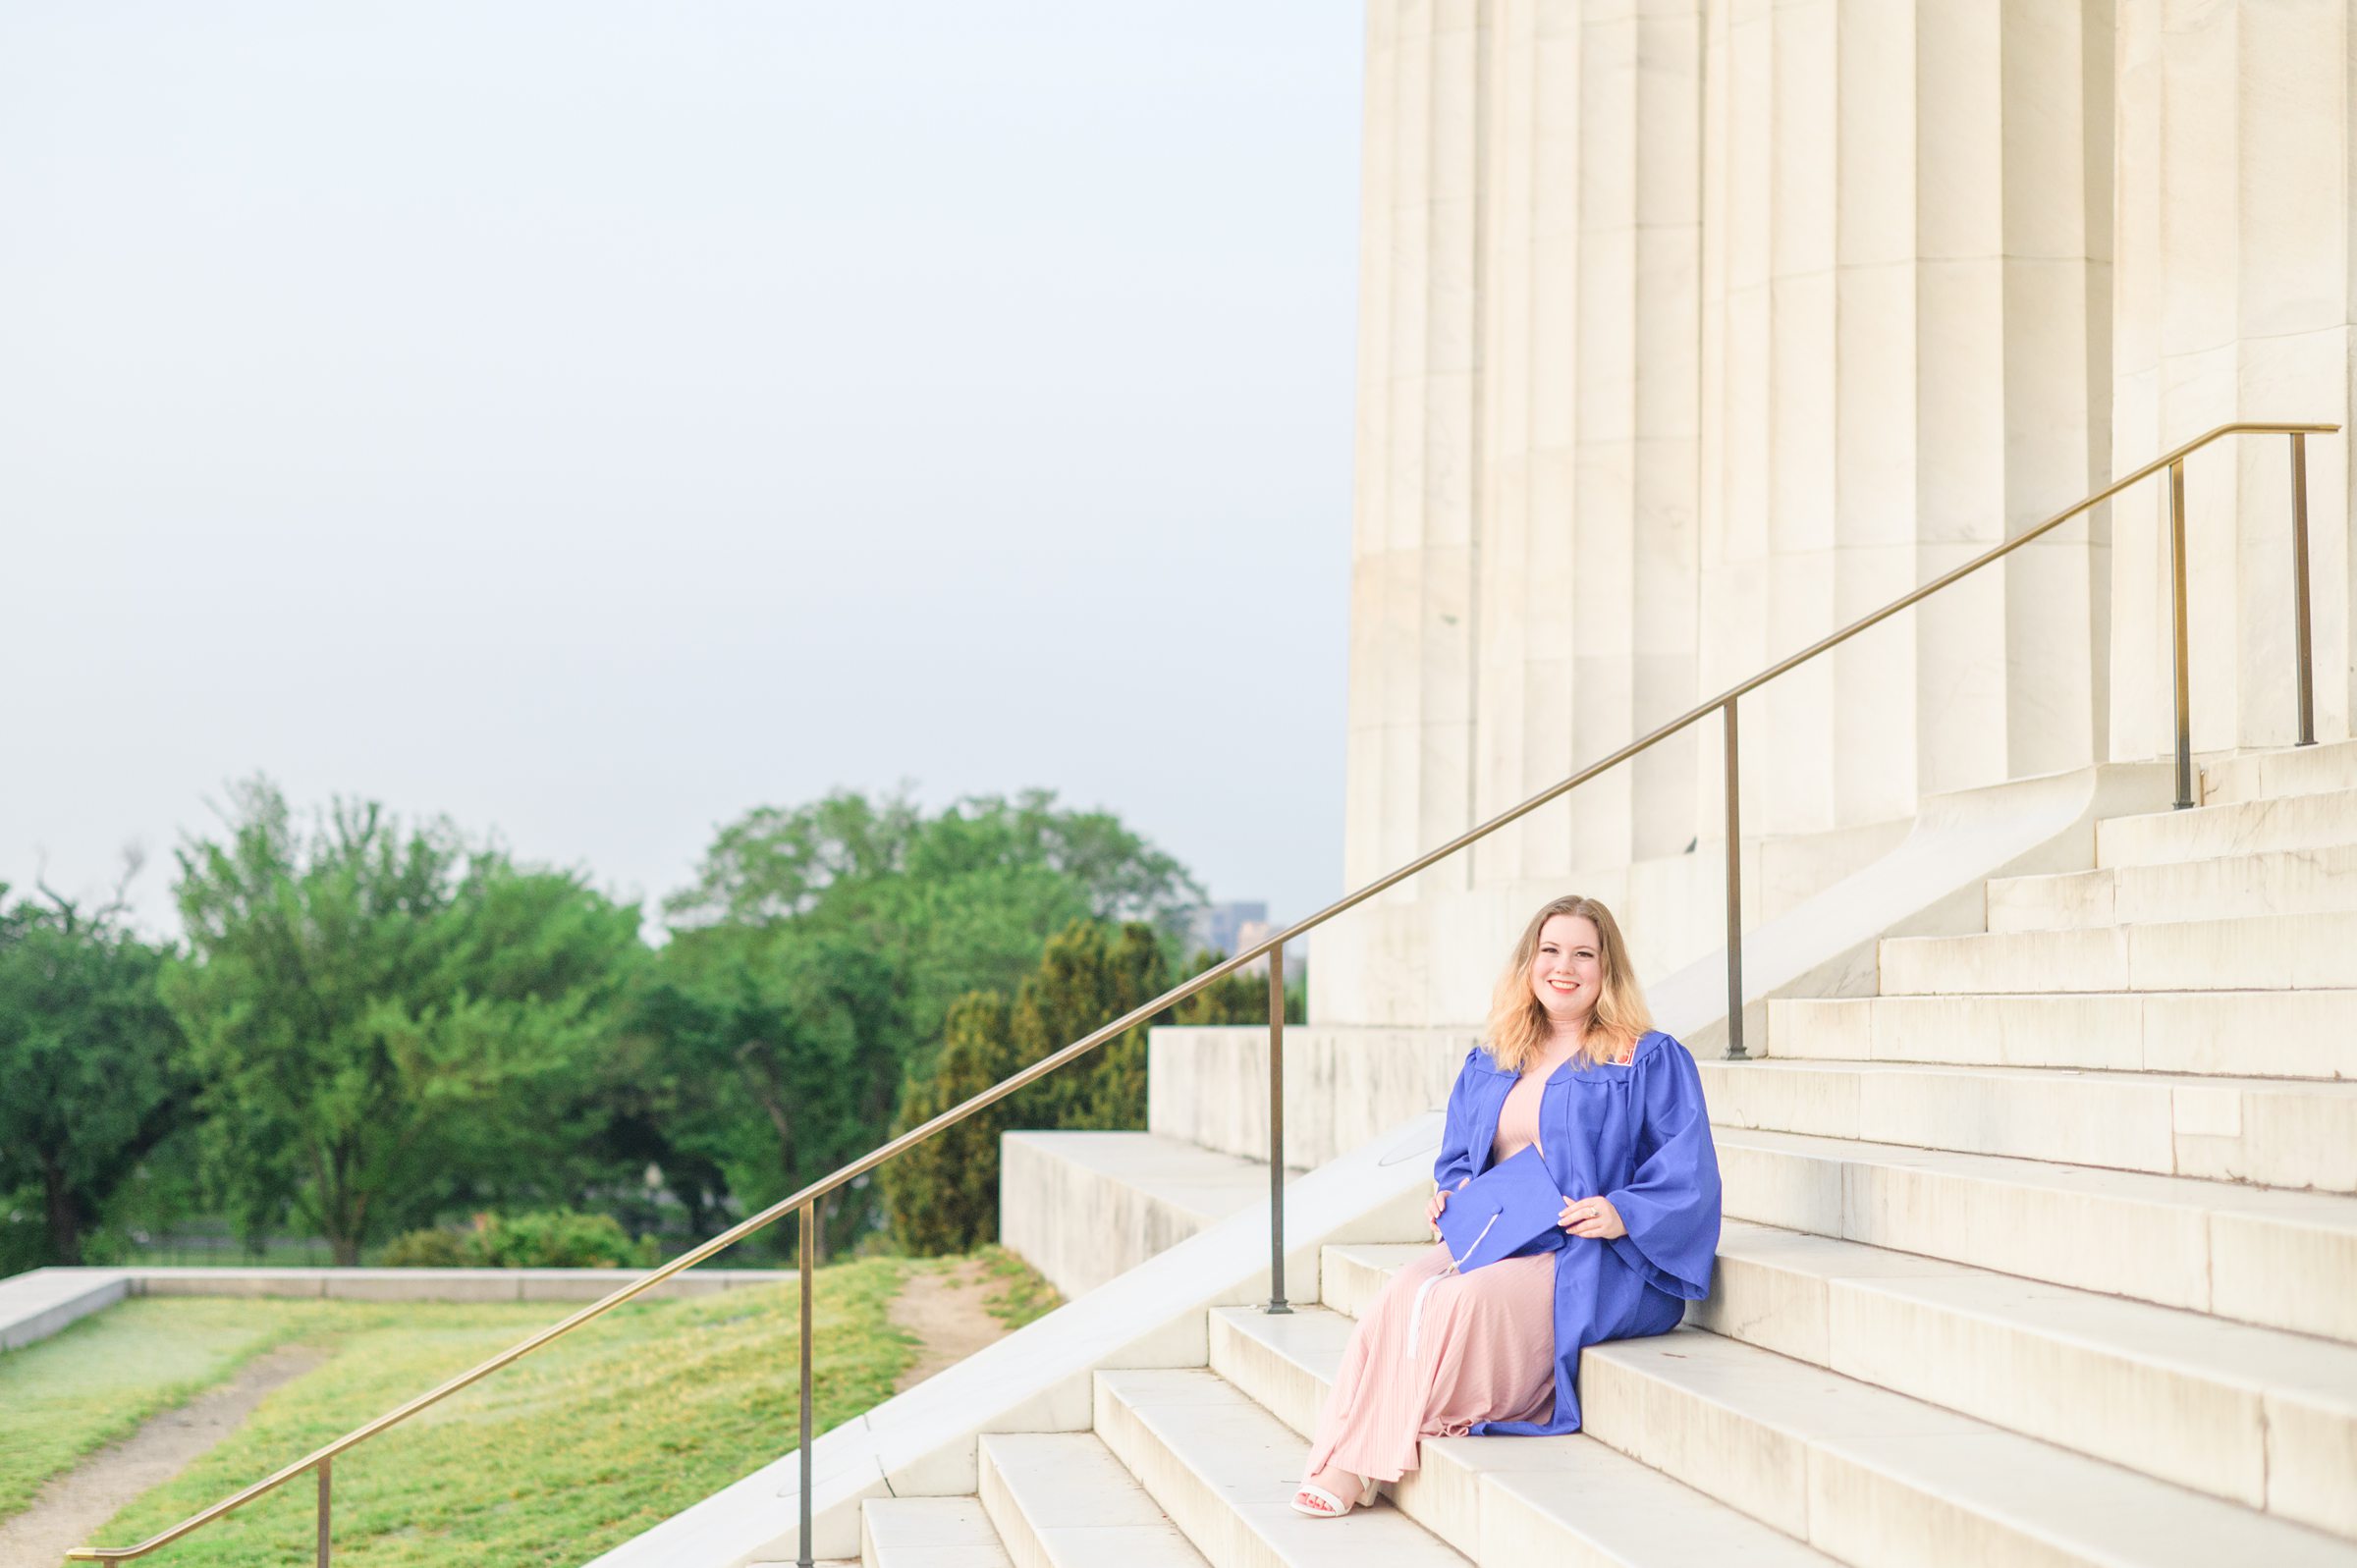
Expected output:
(1573, 1064)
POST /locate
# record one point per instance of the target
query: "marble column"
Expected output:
(1646, 197)
(1589, 429)
(1906, 276)
(1532, 276)
(1691, 330)
(1415, 541)
(2235, 302)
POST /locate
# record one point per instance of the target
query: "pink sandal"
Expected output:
(1319, 1503)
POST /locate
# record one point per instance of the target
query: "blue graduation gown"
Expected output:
(1640, 1135)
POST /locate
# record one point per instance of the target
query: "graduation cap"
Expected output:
(1505, 1206)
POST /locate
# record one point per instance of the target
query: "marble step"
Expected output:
(1352, 1275)
(2282, 882)
(2263, 952)
(2294, 771)
(2259, 1255)
(2277, 1132)
(1061, 1499)
(1503, 1501)
(2256, 1416)
(2240, 1034)
(2321, 821)
(1083, 1208)
(1225, 1468)
(928, 1532)
(1874, 1478)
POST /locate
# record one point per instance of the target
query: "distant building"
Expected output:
(1218, 925)
(1228, 929)
(1296, 951)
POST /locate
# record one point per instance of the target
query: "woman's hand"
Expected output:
(1440, 1200)
(1592, 1216)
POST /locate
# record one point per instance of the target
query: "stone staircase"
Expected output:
(2046, 1253)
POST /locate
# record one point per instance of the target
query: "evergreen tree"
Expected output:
(1229, 1000)
(1090, 975)
(944, 1194)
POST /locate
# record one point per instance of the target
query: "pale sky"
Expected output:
(593, 420)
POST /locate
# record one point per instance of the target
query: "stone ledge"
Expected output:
(1208, 1085)
(1086, 1207)
(36, 1304)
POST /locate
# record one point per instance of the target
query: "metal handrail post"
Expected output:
(1735, 893)
(323, 1508)
(809, 1225)
(1276, 1130)
(2303, 651)
(2184, 680)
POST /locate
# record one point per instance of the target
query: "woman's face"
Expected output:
(1566, 973)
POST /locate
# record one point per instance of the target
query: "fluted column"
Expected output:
(1906, 276)
(1415, 524)
(1529, 563)
(1691, 330)
(1589, 428)
(2235, 302)
(1640, 209)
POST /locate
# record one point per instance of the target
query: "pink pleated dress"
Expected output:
(1430, 1361)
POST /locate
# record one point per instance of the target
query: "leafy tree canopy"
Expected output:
(380, 1017)
(965, 901)
(782, 1049)
(778, 864)
(91, 1070)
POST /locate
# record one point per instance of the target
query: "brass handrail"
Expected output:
(807, 1199)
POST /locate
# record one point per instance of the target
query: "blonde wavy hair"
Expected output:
(1518, 1025)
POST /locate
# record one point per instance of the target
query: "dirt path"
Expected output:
(76, 1503)
(944, 1309)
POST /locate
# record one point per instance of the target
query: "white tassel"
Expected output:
(1415, 1313)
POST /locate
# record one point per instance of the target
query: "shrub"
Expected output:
(553, 1238)
(424, 1249)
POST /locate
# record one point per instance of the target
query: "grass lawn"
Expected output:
(1019, 1293)
(94, 1383)
(550, 1461)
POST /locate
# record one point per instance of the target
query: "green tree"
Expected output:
(384, 1019)
(1229, 1000)
(782, 1042)
(943, 1194)
(1090, 975)
(94, 1075)
(816, 959)
(956, 903)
